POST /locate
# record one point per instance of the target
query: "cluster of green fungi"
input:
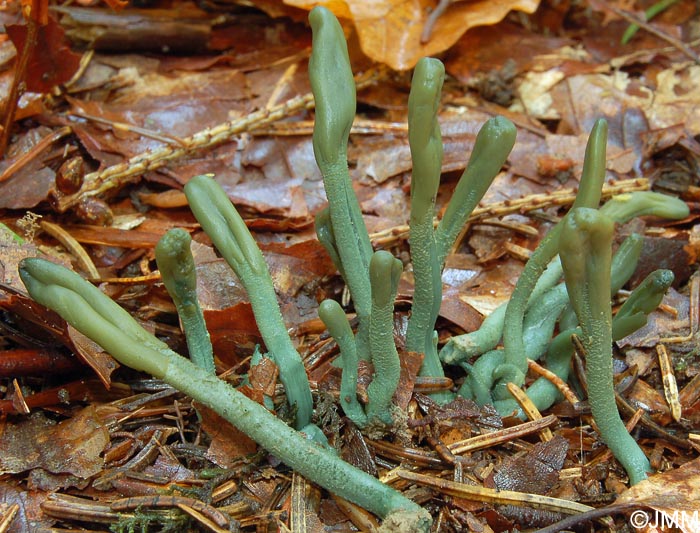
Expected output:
(583, 239)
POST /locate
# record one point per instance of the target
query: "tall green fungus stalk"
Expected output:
(585, 247)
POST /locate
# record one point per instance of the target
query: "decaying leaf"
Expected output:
(671, 495)
(390, 30)
(51, 62)
(72, 446)
(228, 444)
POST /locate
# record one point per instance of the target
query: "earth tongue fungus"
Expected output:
(582, 237)
(177, 270)
(585, 247)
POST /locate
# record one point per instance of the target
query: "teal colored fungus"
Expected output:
(333, 87)
(492, 146)
(339, 328)
(429, 248)
(624, 207)
(649, 13)
(644, 299)
(178, 272)
(225, 227)
(88, 310)
(385, 271)
(461, 348)
(585, 251)
(590, 186)
(621, 209)
(92, 313)
(426, 153)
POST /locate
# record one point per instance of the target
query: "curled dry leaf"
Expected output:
(72, 446)
(390, 30)
(671, 498)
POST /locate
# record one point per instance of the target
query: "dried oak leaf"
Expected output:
(228, 444)
(672, 495)
(51, 62)
(72, 446)
(390, 30)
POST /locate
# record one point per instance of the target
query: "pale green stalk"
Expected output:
(337, 324)
(179, 275)
(492, 146)
(385, 271)
(585, 251)
(227, 230)
(333, 87)
(426, 152)
(590, 186)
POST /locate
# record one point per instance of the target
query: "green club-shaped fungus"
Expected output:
(92, 313)
(492, 146)
(334, 93)
(644, 299)
(227, 230)
(324, 232)
(585, 251)
(590, 186)
(621, 209)
(333, 87)
(624, 207)
(539, 325)
(338, 326)
(177, 270)
(385, 271)
(624, 263)
(426, 153)
(88, 310)
(649, 13)
(429, 247)
(542, 392)
(461, 348)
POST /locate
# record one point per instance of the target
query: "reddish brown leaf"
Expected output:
(51, 62)
(228, 444)
(117, 5)
(29, 517)
(72, 446)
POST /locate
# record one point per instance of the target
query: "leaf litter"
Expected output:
(553, 69)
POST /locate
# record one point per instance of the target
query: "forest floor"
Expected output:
(122, 104)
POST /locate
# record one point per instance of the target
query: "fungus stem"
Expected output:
(337, 324)
(179, 275)
(333, 87)
(385, 271)
(585, 251)
(222, 223)
(426, 153)
(590, 186)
